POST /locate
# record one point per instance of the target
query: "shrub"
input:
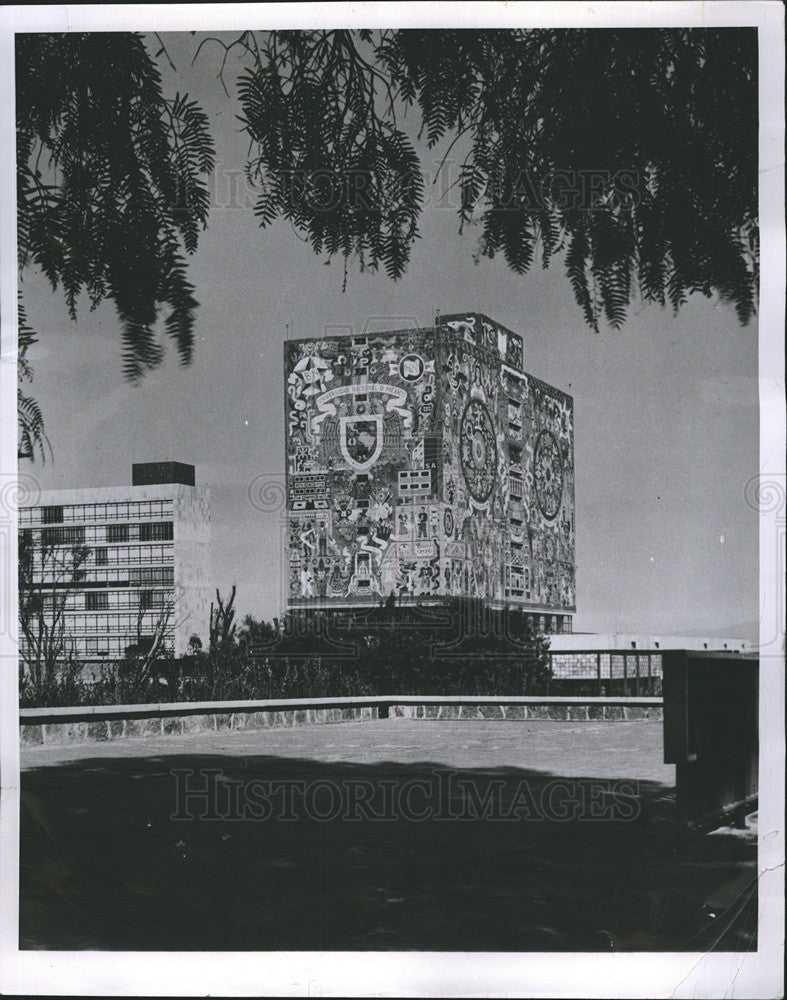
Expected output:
(461, 648)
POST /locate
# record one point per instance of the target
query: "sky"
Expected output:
(665, 409)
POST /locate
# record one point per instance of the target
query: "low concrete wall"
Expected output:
(101, 730)
(95, 724)
(520, 713)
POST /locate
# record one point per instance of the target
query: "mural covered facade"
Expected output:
(427, 464)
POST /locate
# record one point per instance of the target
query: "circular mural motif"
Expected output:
(478, 450)
(411, 367)
(548, 467)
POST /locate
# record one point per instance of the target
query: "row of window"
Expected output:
(148, 576)
(156, 576)
(102, 600)
(151, 531)
(103, 556)
(550, 624)
(587, 667)
(60, 514)
(554, 624)
(100, 555)
(107, 600)
(109, 622)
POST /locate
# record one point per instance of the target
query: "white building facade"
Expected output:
(121, 564)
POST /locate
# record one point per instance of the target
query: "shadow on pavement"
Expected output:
(105, 866)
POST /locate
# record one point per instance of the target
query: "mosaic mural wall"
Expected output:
(508, 471)
(426, 463)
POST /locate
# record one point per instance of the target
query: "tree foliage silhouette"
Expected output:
(630, 154)
(30, 420)
(111, 182)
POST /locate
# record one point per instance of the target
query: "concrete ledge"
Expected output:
(96, 724)
(90, 713)
(519, 713)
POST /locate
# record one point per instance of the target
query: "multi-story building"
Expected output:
(119, 565)
(427, 464)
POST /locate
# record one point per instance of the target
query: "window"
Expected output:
(62, 536)
(101, 556)
(117, 532)
(52, 515)
(96, 602)
(151, 599)
(162, 576)
(156, 531)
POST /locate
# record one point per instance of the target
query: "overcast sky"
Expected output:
(666, 409)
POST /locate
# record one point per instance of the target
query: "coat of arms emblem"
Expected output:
(361, 440)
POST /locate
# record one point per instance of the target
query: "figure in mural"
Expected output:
(463, 327)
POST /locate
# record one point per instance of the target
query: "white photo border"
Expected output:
(756, 974)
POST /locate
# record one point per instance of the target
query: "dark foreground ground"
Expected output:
(577, 850)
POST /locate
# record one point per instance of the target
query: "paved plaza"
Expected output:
(389, 834)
